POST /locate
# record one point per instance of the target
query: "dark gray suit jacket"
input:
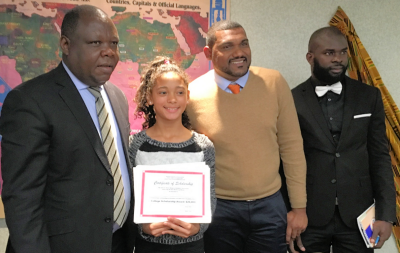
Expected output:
(358, 169)
(56, 192)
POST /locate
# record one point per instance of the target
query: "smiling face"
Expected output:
(91, 52)
(328, 58)
(231, 54)
(169, 96)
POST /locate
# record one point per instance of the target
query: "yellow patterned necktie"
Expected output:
(112, 156)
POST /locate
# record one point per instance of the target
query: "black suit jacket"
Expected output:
(55, 169)
(358, 169)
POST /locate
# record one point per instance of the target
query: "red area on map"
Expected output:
(61, 10)
(189, 24)
(203, 22)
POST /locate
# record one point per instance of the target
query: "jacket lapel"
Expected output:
(74, 101)
(315, 109)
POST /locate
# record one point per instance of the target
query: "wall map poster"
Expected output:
(30, 32)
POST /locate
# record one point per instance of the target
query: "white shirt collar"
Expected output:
(223, 83)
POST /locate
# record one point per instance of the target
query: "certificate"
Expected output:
(172, 190)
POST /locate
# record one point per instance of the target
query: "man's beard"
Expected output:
(240, 73)
(323, 75)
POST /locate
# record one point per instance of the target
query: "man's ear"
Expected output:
(310, 58)
(207, 52)
(65, 43)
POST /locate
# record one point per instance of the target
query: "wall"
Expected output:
(279, 31)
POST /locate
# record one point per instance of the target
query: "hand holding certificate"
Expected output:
(173, 226)
(181, 191)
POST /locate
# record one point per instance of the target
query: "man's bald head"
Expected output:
(329, 31)
(71, 19)
(327, 55)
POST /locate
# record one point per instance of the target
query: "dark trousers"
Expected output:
(248, 226)
(342, 238)
(143, 246)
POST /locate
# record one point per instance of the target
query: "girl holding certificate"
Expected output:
(167, 139)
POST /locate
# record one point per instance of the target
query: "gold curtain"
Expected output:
(361, 67)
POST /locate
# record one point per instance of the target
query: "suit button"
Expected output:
(109, 181)
(333, 181)
(337, 155)
(107, 219)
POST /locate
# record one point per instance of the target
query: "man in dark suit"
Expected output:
(348, 165)
(58, 177)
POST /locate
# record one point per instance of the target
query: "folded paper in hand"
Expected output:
(365, 223)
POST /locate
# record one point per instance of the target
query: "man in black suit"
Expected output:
(58, 182)
(348, 165)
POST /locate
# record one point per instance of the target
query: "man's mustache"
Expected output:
(338, 65)
(236, 58)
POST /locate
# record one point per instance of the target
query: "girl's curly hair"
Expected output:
(153, 70)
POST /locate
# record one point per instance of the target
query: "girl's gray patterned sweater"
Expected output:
(145, 151)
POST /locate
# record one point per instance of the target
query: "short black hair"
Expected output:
(329, 30)
(220, 26)
(71, 18)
